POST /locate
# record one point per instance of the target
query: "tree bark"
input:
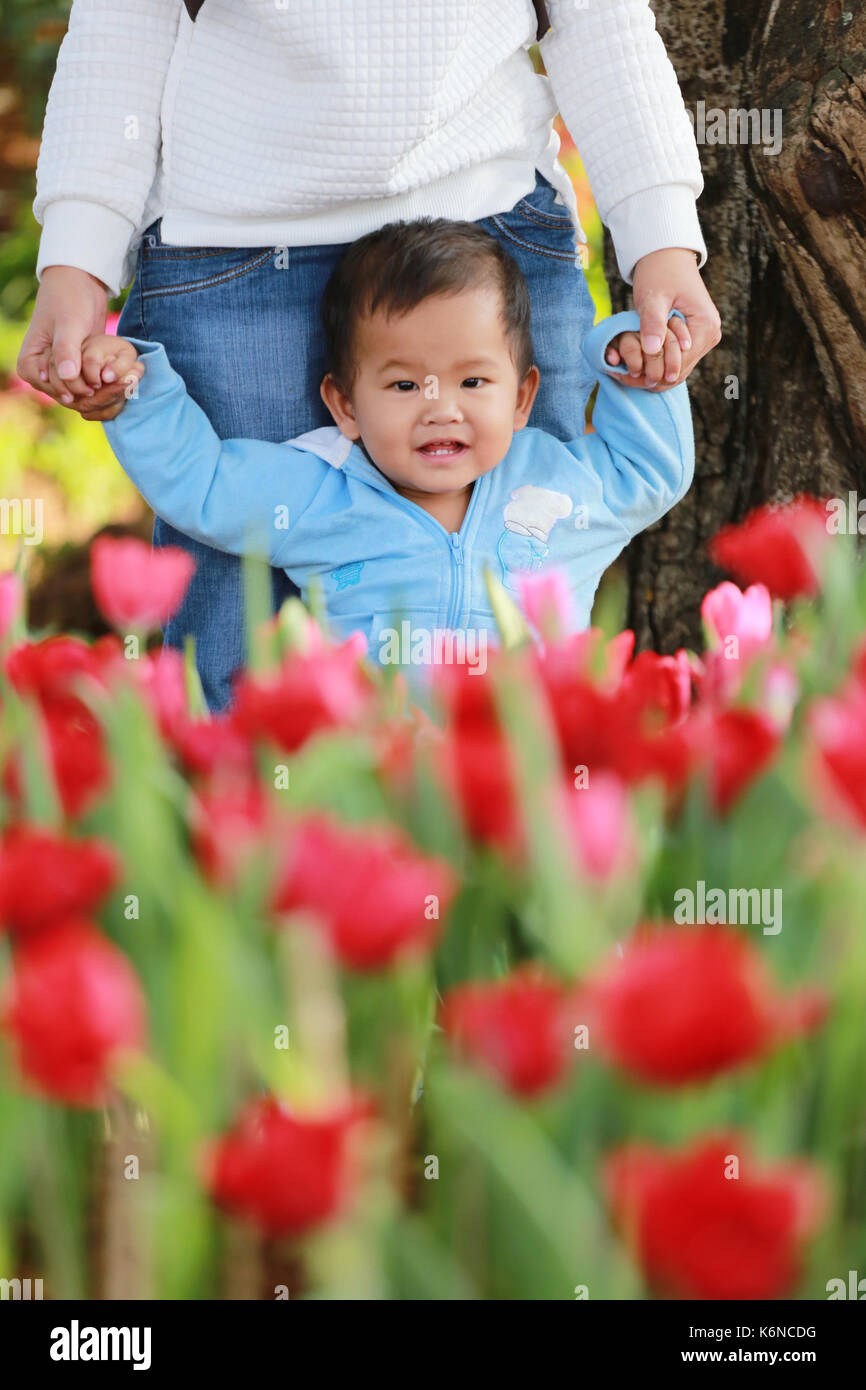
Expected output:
(780, 406)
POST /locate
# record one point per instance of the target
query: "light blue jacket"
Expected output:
(316, 507)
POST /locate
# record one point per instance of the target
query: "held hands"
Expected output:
(70, 309)
(665, 353)
(647, 371)
(115, 362)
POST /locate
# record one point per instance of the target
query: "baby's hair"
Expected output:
(395, 268)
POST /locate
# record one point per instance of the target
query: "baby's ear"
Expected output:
(340, 406)
(526, 393)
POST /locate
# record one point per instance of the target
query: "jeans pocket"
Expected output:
(168, 270)
(541, 206)
(538, 223)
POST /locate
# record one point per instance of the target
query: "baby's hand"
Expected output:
(648, 371)
(116, 363)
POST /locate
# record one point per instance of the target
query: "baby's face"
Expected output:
(436, 399)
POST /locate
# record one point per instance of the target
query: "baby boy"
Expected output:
(431, 475)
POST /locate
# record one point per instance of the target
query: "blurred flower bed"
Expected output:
(59, 484)
(51, 454)
(547, 982)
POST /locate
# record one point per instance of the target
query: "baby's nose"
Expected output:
(445, 408)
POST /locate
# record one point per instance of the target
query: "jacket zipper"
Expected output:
(457, 580)
(455, 545)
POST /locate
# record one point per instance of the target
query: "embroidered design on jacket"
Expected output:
(529, 516)
(349, 574)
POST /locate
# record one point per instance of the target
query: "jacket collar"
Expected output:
(328, 443)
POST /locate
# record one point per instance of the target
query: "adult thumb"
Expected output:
(66, 350)
(653, 323)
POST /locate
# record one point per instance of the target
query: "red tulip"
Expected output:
(858, 664)
(79, 760)
(699, 1231)
(519, 1028)
(780, 546)
(74, 1001)
(477, 766)
(51, 667)
(375, 894)
(136, 586)
(210, 746)
(52, 672)
(658, 689)
(228, 824)
(75, 752)
(635, 729)
(309, 694)
(205, 744)
(286, 1172)
(397, 744)
(45, 877)
(685, 1003)
(838, 727)
(740, 744)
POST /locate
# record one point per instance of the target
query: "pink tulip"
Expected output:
(11, 601)
(738, 625)
(588, 654)
(601, 825)
(547, 603)
(163, 683)
(135, 587)
(747, 616)
(780, 691)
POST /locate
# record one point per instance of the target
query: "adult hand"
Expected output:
(70, 305)
(665, 280)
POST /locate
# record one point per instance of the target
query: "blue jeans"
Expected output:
(244, 334)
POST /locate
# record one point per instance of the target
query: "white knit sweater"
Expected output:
(301, 122)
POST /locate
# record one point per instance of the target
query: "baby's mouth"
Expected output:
(443, 449)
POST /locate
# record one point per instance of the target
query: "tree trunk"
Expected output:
(780, 406)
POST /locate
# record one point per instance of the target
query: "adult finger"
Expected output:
(654, 310)
(673, 358)
(65, 364)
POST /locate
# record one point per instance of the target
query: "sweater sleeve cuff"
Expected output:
(652, 220)
(88, 236)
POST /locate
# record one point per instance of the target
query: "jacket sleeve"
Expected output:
(101, 133)
(620, 99)
(238, 495)
(643, 447)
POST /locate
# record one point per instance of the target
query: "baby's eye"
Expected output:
(477, 380)
(401, 384)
